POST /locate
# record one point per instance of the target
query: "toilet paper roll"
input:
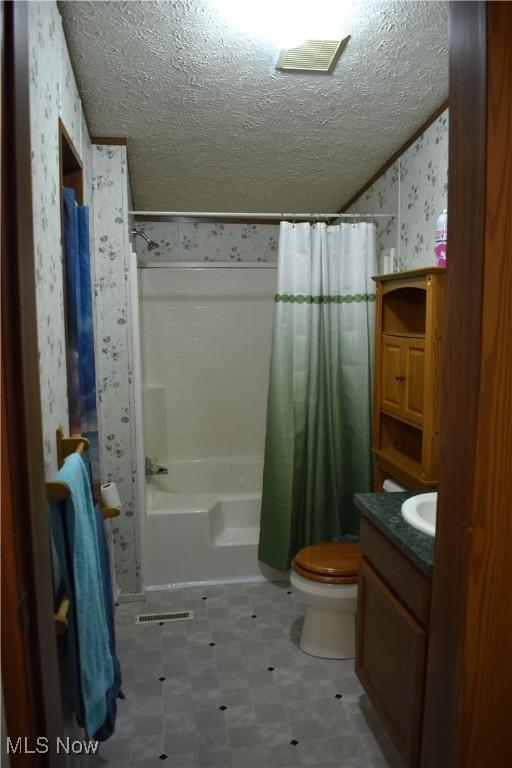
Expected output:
(110, 496)
(388, 260)
(391, 487)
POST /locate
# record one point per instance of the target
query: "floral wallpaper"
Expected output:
(208, 241)
(114, 353)
(415, 190)
(53, 95)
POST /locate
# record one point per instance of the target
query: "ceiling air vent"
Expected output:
(312, 56)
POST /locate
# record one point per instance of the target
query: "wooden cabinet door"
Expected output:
(413, 371)
(391, 383)
(390, 661)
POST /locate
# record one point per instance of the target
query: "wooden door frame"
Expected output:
(30, 673)
(468, 704)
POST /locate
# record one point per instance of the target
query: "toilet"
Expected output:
(324, 577)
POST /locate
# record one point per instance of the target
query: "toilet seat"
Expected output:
(333, 562)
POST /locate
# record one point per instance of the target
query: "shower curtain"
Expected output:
(79, 327)
(317, 450)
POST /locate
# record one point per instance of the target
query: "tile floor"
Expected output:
(231, 689)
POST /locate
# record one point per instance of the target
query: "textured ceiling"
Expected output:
(211, 125)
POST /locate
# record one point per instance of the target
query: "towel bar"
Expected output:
(68, 445)
(61, 617)
(57, 490)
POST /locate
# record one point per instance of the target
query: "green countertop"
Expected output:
(384, 511)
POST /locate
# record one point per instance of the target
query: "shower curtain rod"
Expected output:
(255, 216)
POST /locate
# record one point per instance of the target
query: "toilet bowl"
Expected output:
(324, 577)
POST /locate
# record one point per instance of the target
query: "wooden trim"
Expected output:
(435, 324)
(411, 273)
(28, 535)
(468, 702)
(485, 669)
(377, 386)
(485, 709)
(70, 167)
(19, 667)
(121, 140)
(71, 176)
(74, 160)
(383, 168)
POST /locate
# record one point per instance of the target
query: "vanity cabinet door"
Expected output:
(390, 661)
(413, 370)
(391, 375)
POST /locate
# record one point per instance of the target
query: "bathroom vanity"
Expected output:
(393, 617)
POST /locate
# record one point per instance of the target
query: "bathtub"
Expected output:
(202, 523)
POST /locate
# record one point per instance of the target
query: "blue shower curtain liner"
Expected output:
(80, 331)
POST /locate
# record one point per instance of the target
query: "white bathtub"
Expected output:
(203, 522)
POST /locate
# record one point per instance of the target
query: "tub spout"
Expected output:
(155, 469)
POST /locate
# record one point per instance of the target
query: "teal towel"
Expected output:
(96, 671)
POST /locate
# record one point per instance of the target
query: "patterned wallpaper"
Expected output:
(415, 190)
(208, 241)
(114, 353)
(53, 95)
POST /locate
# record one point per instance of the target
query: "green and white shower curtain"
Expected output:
(317, 450)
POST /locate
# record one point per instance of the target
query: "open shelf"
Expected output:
(402, 469)
(400, 419)
(400, 439)
(404, 311)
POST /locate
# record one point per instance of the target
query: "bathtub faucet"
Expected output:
(155, 469)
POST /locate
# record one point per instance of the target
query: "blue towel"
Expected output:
(63, 587)
(96, 672)
(114, 692)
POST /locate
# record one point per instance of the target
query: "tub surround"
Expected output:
(205, 341)
(210, 508)
(383, 510)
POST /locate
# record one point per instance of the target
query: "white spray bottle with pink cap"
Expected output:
(441, 238)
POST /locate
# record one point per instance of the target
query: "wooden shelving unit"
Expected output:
(409, 323)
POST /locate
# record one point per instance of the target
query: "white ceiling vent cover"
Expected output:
(161, 618)
(312, 56)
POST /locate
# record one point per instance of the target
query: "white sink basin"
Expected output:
(420, 512)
